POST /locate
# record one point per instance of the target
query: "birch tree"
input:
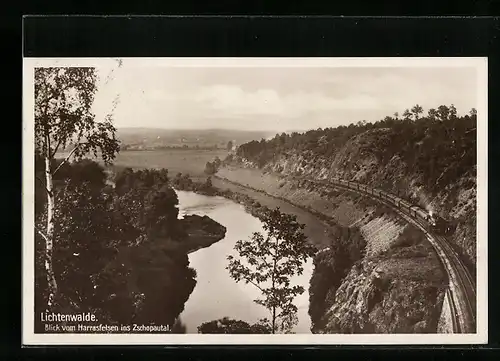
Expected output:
(64, 119)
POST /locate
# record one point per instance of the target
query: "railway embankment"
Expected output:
(430, 162)
(389, 281)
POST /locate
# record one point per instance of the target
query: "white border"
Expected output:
(30, 338)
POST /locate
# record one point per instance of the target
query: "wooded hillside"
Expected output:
(440, 146)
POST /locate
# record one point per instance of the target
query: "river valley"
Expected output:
(216, 294)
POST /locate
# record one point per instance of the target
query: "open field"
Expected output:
(191, 161)
(175, 160)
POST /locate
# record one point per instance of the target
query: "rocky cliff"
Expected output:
(367, 158)
(345, 269)
(396, 283)
(357, 160)
(399, 290)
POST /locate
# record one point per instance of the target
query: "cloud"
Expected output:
(230, 99)
(257, 98)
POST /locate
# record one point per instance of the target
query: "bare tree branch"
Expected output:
(67, 158)
(57, 147)
(41, 233)
(256, 285)
(44, 186)
(80, 133)
(263, 258)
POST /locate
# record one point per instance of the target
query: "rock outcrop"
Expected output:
(398, 291)
(393, 282)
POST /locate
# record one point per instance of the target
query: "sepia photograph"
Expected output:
(255, 200)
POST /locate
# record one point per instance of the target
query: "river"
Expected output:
(216, 294)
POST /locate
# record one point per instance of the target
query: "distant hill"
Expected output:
(157, 137)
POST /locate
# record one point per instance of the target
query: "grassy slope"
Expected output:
(316, 230)
(190, 161)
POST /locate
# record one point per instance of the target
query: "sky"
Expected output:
(274, 98)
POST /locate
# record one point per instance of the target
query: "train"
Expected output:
(434, 222)
(441, 226)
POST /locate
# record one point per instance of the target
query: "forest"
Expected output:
(120, 251)
(107, 242)
(441, 146)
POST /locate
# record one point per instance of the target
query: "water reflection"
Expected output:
(216, 294)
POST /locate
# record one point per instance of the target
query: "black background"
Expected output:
(257, 36)
(274, 37)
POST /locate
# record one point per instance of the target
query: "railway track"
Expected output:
(461, 292)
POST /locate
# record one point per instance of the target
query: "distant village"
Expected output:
(184, 144)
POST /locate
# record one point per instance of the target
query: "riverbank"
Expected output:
(251, 206)
(320, 229)
(216, 294)
(327, 220)
(346, 295)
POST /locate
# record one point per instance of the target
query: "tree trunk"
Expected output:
(51, 280)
